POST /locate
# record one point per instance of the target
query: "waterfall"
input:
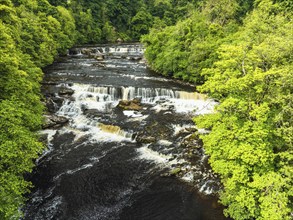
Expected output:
(114, 130)
(113, 158)
(104, 98)
(145, 94)
(190, 95)
(114, 50)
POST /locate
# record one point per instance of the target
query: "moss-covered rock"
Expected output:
(130, 105)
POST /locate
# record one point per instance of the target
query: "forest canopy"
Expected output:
(239, 52)
(32, 34)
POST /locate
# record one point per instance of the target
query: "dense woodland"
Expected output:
(237, 51)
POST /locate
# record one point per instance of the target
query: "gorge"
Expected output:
(85, 121)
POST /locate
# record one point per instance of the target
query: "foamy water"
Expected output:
(93, 168)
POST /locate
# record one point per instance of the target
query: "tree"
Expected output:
(30, 38)
(141, 23)
(249, 143)
(20, 117)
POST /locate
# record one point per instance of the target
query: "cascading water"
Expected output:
(110, 161)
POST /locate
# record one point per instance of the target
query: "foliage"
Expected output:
(32, 34)
(250, 143)
(184, 49)
(104, 21)
(141, 23)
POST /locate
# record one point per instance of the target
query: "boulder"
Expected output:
(191, 141)
(53, 104)
(74, 51)
(130, 105)
(186, 131)
(66, 91)
(86, 51)
(54, 121)
(93, 113)
(43, 138)
(145, 139)
(98, 57)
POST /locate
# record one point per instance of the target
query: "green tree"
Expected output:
(220, 11)
(186, 48)
(88, 30)
(20, 117)
(250, 143)
(108, 33)
(141, 23)
(31, 36)
(68, 28)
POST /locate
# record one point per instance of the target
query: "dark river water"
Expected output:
(110, 162)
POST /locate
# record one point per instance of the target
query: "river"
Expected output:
(130, 160)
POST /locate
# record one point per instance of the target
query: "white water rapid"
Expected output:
(137, 160)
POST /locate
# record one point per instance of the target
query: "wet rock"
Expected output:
(130, 105)
(141, 138)
(99, 65)
(43, 138)
(50, 105)
(191, 130)
(119, 40)
(92, 112)
(82, 139)
(74, 51)
(134, 58)
(176, 171)
(54, 121)
(162, 148)
(86, 51)
(49, 83)
(158, 128)
(95, 50)
(143, 60)
(53, 104)
(98, 57)
(66, 91)
(186, 131)
(191, 141)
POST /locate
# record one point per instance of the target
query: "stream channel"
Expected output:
(136, 159)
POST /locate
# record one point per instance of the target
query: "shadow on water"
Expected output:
(173, 201)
